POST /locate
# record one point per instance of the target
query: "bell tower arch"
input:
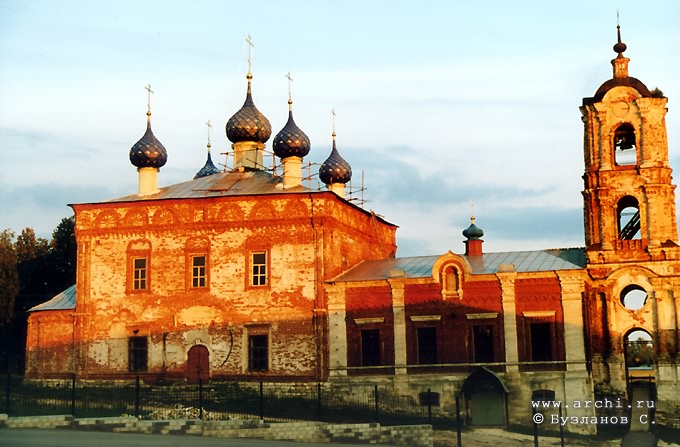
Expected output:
(631, 236)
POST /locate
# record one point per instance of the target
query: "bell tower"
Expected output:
(629, 200)
(631, 233)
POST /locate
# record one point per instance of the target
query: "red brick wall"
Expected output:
(308, 238)
(539, 294)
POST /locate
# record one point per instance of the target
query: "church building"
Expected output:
(249, 275)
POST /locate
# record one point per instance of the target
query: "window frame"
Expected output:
(379, 361)
(196, 247)
(138, 249)
(258, 356)
(194, 276)
(552, 344)
(140, 283)
(433, 343)
(251, 274)
(136, 353)
(492, 338)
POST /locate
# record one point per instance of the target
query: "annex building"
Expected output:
(249, 275)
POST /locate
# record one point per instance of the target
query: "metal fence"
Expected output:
(218, 400)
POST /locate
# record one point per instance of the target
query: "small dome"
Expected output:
(208, 169)
(291, 141)
(248, 124)
(473, 231)
(619, 46)
(148, 152)
(335, 169)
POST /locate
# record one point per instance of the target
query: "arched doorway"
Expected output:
(640, 376)
(485, 397)
(198, 364)
(640, 357)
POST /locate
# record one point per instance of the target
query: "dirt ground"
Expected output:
(496, 437)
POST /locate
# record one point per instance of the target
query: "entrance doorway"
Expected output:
(640, 377)
(198, 364)
(640, 357)
(485, 397)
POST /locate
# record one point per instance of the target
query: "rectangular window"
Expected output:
(541, 342)
(137, 354)
(483, 343)
(370, 347)
(258, 352)
(427, 345)
(198, 276)
(139, 274)
(258, 262)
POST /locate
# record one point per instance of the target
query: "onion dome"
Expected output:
(335, 169)
(248, 124)
(148, 152)
(208, 169)
(291, 141)
(473, 232)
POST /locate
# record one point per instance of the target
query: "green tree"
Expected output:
(32, 262)
(29, 247)
(9, 277)
(64, 252)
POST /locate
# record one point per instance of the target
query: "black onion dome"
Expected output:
(473, 231)
(248, 124)
(335, 169)
(148, 152)
(208, 169)
(291, 141)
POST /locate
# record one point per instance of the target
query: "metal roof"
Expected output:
(234, 183)
(64, 301)
(421, 266)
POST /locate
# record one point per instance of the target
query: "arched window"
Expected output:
(624, 145)
(628, 218)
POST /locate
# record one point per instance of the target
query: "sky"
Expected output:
(447, 107)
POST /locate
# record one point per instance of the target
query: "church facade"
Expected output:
(249, 275)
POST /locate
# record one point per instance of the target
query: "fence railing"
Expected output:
(219, 400)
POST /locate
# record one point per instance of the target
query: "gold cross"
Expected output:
(251, 45)
(333, 113)
(290, 79)
(472, 211)
(209, 124)
(148, 100)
